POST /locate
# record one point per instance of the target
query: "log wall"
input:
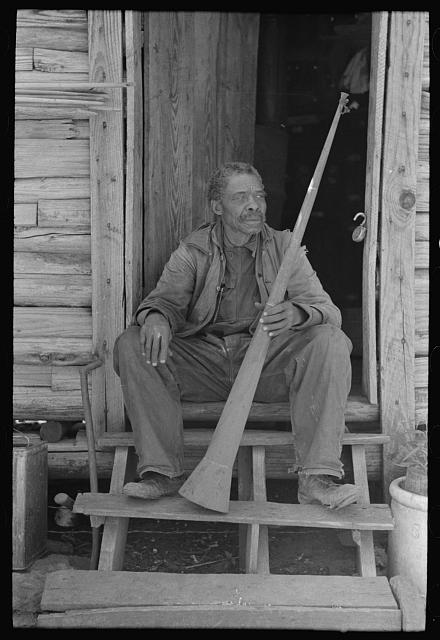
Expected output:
(52, 246)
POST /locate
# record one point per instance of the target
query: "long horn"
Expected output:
(209, 484)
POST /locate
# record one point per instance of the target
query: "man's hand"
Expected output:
(155, 336)
(280, 317)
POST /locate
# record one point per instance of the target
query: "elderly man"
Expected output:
(190, 334)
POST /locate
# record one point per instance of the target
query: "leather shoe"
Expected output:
(321, 489)
(153, 486)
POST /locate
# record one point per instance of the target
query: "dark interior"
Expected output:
(304, 62)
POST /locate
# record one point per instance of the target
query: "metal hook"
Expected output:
(361, 214)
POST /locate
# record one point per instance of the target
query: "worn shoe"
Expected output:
(153, 486)
(321, 489)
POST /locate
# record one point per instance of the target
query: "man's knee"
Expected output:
(126, 343)
(328, 335)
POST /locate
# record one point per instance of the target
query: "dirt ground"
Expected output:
(186, 547)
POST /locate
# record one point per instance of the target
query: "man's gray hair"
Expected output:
(218, 180)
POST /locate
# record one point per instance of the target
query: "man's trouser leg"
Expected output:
(196, 372)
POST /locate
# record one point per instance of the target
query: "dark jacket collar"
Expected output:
(212, 232)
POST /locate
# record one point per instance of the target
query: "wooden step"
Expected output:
(368, 517)
(141, 599)
(251, 437)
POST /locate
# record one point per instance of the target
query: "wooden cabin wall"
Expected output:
(200, 91)
(52, 270)
(421, 273)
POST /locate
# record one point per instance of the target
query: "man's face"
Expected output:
(242, 206)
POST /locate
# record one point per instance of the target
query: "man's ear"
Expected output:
(216, 207)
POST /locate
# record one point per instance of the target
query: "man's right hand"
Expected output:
(155, 336)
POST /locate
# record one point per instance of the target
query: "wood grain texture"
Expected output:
(32, 375)
(52, 240)
(365, 557)
(134, 210)
(52, 290)
(107, 216)
(52, 350)
(56, 18)
(24, 58)
(233, 617)
(377, 517)
(54, 60)
(399, 177)
(83, 589)
(34, 189)
(62, 129)
(41, 112)
(64, 213)
(41, 403)
(199, 113)
(36, 158)
(32, 322)
(52, 38)
(65, 379)
(32, 262)
(42, 76)
(25, 214)
(372, 193)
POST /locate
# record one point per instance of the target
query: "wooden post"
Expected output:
(134, 152)
(107, 216)
(398, 200)
(372, 189)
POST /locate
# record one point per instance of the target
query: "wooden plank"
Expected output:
(206, 43)
(421, 371)
(426, 56)
(423, 147)
(42, 76)
(422, 185)
(259, 495)
(399, 175)
(36, 158)
(42, 112)
(421, 405)
(34, 189)
(25, 214)
(91, 590)
(65, 379)
(52, 350)
(421, 312)
(52, 38)
(41, 403)
(421, 254)
(51, 60)
(31, 262)
(45, 290)
(52, 240)
(379, 36)
(107, 194)
(244, 490)
(24, 58)
(114, 536)
(422, 226)
(31, 375)
(411, 603)
(376, 517)
(34, 322)
(134, 167)
(234, 617)
(62, 129)
(250, 438)
(365, 546)
(61, 18)
(62, 213)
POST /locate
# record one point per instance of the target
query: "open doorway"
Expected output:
(304, 62)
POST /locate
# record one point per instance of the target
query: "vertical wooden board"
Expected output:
(206, 44)
(169, 146)
(134, 169)
(24, 57)
(54, 60)
(107, 218)
(399, 176)
(249, 54)
(25, 214)
(379, 30)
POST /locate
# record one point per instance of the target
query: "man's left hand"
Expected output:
(280, 317)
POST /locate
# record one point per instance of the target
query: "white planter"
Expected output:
(407, 543)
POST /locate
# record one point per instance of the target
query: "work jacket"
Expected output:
(188, 291)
